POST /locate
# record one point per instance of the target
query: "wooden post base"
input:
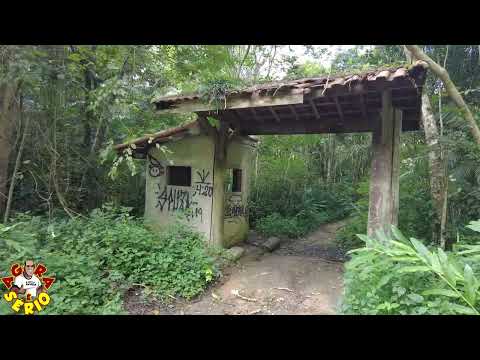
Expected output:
(384, 182)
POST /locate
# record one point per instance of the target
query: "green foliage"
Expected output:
(474, 225)
(415, 199)
(215, 91)
(400, 276)
(307, 69)
(363, 58)
(299, 180)
(293, 227)
(357, 224)
(95, 260)
(301, 212)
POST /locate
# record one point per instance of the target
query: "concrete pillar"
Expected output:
(219, 169)
(384, 183)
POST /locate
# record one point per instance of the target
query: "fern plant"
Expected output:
(435, 274)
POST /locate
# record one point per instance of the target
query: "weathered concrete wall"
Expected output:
(240, 155)
(163, 202)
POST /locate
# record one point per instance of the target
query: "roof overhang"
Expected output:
(341, 103)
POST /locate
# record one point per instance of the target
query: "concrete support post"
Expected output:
(219, 169)
(384, 183)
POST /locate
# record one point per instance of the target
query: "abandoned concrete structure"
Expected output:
(183, 177)
(384, 102)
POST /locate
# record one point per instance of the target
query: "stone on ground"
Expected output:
(271, 244)
(235, 252)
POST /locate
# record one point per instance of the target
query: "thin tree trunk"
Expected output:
(450, 87)
(443, 219)
(17, 166)
(243, 60)
(331, 159)
(272, 59)
(7, 119)
(436, 163)
(53, 177)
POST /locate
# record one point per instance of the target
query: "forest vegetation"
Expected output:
(67, 200)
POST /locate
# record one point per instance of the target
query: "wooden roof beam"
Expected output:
(292, 109)
(234, 118)
(255, 116)
(317, 92)
(315, 110)
(275, 115)
(363, 107)
(339, 109)
(233, 102)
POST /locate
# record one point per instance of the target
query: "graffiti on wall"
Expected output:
(234, 207)
(155, 168)
(203, 187)
(171, 199)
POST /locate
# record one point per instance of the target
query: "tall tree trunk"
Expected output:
(8, 107)
(92, 137)
(436, 163)
(329, 158)
(17, 165)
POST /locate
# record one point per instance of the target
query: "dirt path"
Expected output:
(303, 276)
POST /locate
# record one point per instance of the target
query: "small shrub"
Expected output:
(302, 211)
(277, 225)
(346, 236)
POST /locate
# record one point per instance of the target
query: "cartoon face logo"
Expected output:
(155, 168)
(28, 287)
(155, 171)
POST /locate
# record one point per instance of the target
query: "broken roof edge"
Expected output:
(192, 128)
(155, 137)
(298, 87)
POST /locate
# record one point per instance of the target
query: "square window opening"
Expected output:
(236, 180)
(179, 175)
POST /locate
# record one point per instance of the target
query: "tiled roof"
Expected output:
(413, 73)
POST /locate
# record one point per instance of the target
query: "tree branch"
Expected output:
(450, 87)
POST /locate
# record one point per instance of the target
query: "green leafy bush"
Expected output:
(293, 227)
(400, 276)
(95, 260)
(415, 204)
(303, 211)
(277, 225)
(346, 236)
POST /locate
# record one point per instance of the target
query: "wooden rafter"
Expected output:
(234, 102)
(255, 115)
(363, 107)
(317, 92)
(312, 104)
(233, 118)
(339, 109)
(326, 126)
(377, 101)
(275, 115)
(292, 109)
(329, 114)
